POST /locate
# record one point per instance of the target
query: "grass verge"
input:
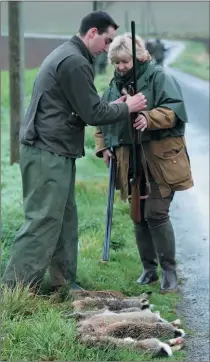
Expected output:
(33, 328)
(194, 60)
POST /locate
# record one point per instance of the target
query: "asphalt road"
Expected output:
(190, 217)
(190, 209)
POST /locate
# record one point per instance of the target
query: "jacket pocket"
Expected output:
(73, 135)
(27, 129)
(173, 162)
(74, 121)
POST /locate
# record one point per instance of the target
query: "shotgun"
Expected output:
(136, 182)
(135, 213)
(109, 210)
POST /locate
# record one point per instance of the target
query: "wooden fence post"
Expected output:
(16, 74)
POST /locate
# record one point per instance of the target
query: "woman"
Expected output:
(162, 143)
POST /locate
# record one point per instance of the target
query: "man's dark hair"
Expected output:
(97, 19)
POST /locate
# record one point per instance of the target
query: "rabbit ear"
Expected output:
(165, 349)
(149, 293)
(146, 294)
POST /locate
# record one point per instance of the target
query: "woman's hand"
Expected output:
(140, 123)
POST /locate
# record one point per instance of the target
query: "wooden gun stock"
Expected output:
(135, 212)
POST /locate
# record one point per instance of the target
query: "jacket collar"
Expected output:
(82, 47)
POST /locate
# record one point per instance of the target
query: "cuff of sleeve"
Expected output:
(126, 113)
(99, 144)
(159, 118)
(99, 152)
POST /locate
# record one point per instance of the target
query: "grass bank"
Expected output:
(194, 60)
(33, 328)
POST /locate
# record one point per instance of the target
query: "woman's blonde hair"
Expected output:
(121, 48)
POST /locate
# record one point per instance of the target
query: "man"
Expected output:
(64, 100)
(150, 47)
(101, 63)
(158, 51)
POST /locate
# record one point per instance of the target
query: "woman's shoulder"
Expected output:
(154, 68)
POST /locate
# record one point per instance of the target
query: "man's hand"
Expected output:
(136, 103)
(119, 100)
(107, 154)
(140, 123)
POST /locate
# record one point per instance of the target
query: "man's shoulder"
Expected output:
(76, 59)
(73, 56)
(67, 54)
(73, 63)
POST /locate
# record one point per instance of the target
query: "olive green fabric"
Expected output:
(49, 235)
(161, 91)
(164, 241)
(64, 100)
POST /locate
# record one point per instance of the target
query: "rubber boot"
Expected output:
(147, 254)
(164, 242)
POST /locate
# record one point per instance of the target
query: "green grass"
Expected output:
(33, 328)
(194, 60)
